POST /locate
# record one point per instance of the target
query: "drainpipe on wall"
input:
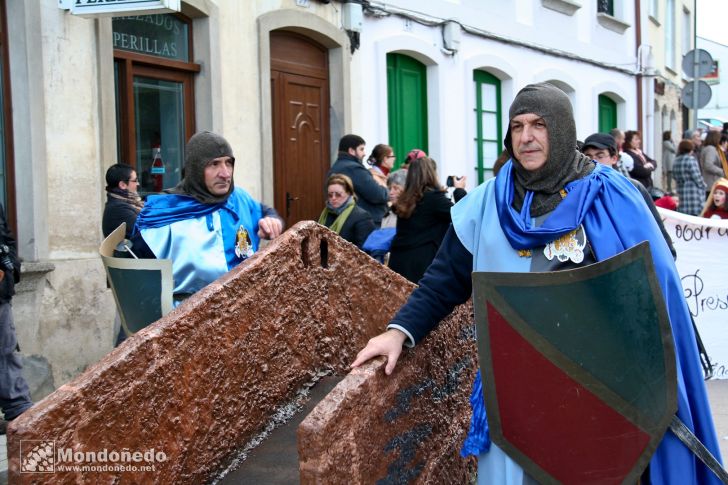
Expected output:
(638, 33)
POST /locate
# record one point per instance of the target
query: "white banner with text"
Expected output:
(702, 261)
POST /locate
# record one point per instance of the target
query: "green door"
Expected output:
(406, 104)
(607, 114)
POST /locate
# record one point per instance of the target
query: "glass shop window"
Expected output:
(154, 81)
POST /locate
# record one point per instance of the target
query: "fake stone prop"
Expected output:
(196, 396)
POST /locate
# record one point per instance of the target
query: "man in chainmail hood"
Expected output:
(199, 151)
(551, 208)
(204, 213)
(563, 162)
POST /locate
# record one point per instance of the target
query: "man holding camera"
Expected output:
(14, 392)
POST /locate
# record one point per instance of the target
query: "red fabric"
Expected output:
(722, 213)
(721, 187)
(414, 154)
(563, 427)
(666, 202)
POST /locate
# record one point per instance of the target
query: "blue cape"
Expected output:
(164, 209)
(239, 209)
(616, 218)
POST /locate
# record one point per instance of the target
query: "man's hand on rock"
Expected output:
(270, 227)
(388, 344)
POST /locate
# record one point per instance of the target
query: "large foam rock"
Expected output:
(205, 381)
(405, 428)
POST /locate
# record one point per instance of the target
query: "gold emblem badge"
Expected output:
(243, 245)
(567, 247)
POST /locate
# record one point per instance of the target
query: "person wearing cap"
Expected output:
(370, 195)
(414, 154)
(548, 191)
(205, 225)
(602, 148)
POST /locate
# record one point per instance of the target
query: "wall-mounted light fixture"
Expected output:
(451, 33)
(352, 19)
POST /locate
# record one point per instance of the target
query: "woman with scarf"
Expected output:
(381, 161)
(643, 165)
(341, 213)
(122, 201)
(123, 204)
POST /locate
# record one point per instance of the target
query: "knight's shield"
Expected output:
(578, 368)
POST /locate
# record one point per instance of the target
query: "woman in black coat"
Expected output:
(341, 213)
(423, 216)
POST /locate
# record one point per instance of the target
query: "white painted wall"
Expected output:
(450, 86)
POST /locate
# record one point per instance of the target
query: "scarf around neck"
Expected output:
(131, 198)
(342, 214)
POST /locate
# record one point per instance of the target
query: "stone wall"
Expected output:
(64, 317)
(203, 381)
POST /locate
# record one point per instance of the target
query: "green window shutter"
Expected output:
(406, 105)
(489, 132)
(607, 114)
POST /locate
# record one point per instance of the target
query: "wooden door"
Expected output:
(300, 91)
(406, 104)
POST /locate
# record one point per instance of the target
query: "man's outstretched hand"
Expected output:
(388, 344)
(269, 227)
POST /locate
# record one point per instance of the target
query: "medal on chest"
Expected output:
(567, 247)
(243, 245)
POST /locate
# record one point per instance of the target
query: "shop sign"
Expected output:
(97, 8)
(152, 35)
(713, 77)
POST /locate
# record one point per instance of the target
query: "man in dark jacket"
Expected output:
(14, 392)
(370, 196)
(122, 201)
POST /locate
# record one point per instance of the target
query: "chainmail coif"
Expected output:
(564, 162)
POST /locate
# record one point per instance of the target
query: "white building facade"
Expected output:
(282, 80)
(500, 47)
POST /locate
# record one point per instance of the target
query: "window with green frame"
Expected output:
(489, 132)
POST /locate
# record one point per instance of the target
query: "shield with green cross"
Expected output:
(578, 368)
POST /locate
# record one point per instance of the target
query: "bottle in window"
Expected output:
(157, 169)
